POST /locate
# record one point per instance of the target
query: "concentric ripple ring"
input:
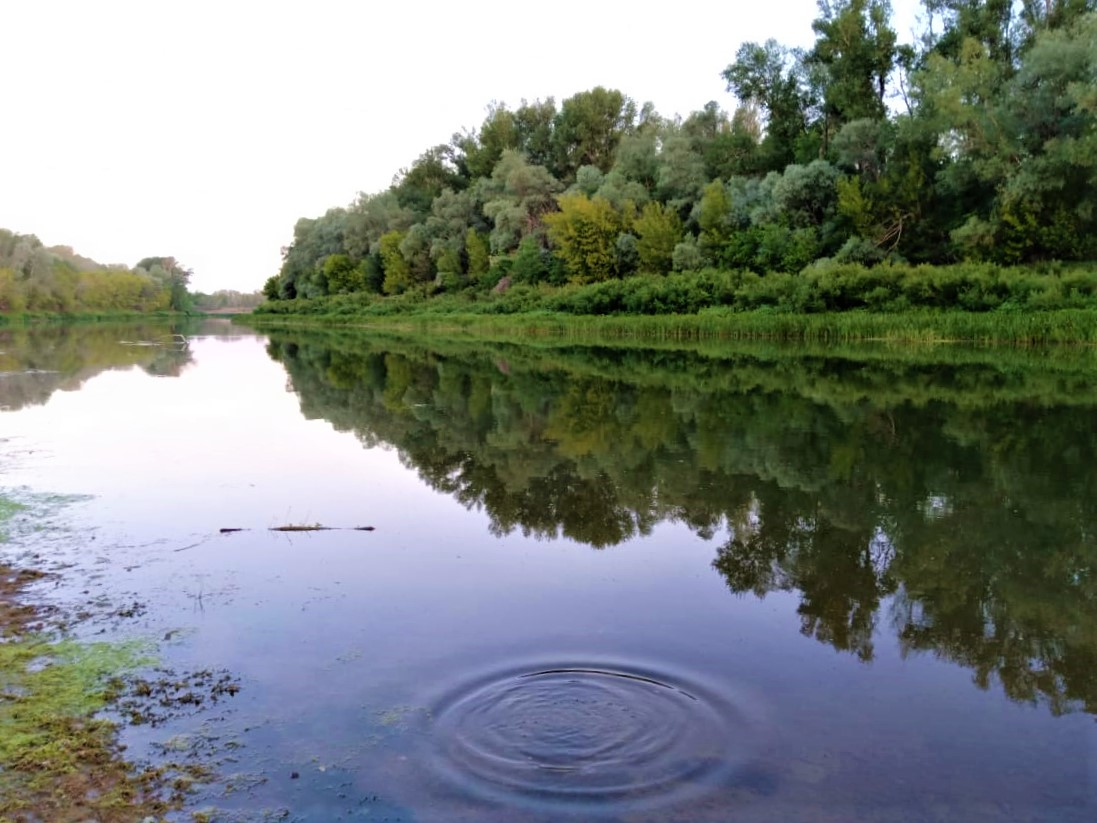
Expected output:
(588, 734)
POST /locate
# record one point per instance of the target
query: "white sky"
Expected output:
(204, 129)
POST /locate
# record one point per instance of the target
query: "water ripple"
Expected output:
(589, 734)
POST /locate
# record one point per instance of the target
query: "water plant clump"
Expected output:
(60, 759)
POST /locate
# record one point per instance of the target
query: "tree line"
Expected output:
(225, 299)
(37, 278)
(976, 143)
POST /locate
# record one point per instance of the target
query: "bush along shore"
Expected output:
(963, 302)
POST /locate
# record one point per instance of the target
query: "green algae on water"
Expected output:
(60, 759)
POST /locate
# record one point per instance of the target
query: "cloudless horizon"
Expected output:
(204, 130)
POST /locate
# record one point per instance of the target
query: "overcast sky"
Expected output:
(204, 129)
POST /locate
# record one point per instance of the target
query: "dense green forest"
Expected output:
(55, 279)
(977, 144)
(952, 485)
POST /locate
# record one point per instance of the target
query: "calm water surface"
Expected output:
(630, 585)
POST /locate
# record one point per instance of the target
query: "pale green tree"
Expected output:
(658, 230)
(584, 235)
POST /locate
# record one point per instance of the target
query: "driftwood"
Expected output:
(315, 527)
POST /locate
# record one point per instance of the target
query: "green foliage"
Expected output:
(626, 254)
(371, 216)
(687, 255)
(516, 198)
(341, 274)
(230, 299)
(37, 279)
(498, 133)
(658, 230)
(415, 248)
(433, 172)
(584, 235)
(397, 271)
(530, 264)
(681, 176)
(833, 299)
(588, 129)
(479, 255)
(855, 48)
(993, 159)
(767, 77)
(714, 218)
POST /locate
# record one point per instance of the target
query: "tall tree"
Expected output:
(516, 198)
(433, 171)
(855, 47)
(988, 22)
(478, 153)
(535, 124)
(769, 77)
(588, 129)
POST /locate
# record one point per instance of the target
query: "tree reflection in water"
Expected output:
(948, 496)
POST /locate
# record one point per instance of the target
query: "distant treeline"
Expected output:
(976, 144)
(226, 299)
(36, 278)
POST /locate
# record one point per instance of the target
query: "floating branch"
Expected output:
(304, 527)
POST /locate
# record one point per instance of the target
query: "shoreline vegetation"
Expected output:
(980, 303)
(63, 701)
(860, 188)
(14, 320)
(40, 283)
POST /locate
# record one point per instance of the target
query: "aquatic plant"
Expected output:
(60, 759)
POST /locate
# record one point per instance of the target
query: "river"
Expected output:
(746, 583)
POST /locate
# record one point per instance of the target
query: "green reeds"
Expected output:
(1065, 326)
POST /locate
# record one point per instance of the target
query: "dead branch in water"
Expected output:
(305, 527)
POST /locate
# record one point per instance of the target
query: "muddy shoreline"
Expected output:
(64, 701)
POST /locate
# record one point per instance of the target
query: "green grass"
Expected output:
(1064, 326)
(42, 318)
(8, 509)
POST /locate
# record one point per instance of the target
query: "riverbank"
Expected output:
(1066, 326)
(45, 318)
(899, 303)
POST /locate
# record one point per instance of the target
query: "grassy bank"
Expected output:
(41, 318)
(963, 302)
(1065, 326)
